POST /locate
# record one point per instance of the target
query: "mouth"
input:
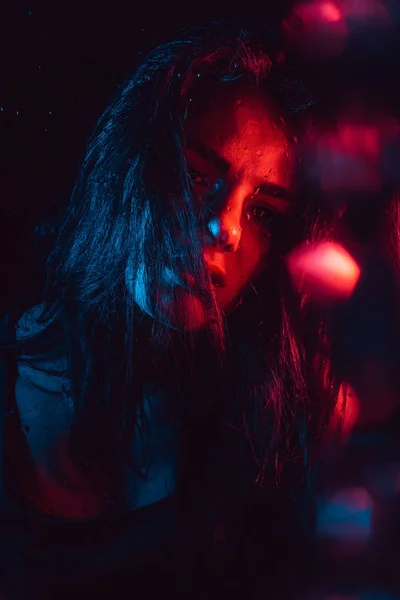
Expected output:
(218, 276)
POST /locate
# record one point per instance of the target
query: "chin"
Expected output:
(188, 313)
(226, 301)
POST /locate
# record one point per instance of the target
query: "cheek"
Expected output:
(252, 252)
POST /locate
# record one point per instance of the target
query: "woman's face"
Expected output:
(241, 164)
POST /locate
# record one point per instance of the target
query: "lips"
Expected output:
(218, 275)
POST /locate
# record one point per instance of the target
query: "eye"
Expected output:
(199, 178)
(262, 215)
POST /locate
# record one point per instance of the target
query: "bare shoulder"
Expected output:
(42, 389)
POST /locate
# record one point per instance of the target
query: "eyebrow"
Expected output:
(276, 191)
(209, 154)
(267, 188)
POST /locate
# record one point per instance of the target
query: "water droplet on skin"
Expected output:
(295, 139)
(259, 153)
(238, 103)
(245, 147)
(287, 155)
(229, 208)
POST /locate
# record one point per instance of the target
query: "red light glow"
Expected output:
(316, 29)
(330, 12)
(325, 271)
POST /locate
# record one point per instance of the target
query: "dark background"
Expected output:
(60, 63)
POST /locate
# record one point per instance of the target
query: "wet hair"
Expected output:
(254, 389)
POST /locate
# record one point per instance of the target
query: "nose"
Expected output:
(225, 231)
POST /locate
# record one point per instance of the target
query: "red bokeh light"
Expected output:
(353, 156)
(324, 271)
(349, 159)
(316, 29)
(319, 29)
(360, 138)
(330, 12)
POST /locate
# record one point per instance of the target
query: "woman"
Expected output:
(171, 368)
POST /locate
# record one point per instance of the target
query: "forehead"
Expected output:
(242, 125)
(232, 109)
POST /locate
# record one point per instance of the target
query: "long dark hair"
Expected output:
(259, 380)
